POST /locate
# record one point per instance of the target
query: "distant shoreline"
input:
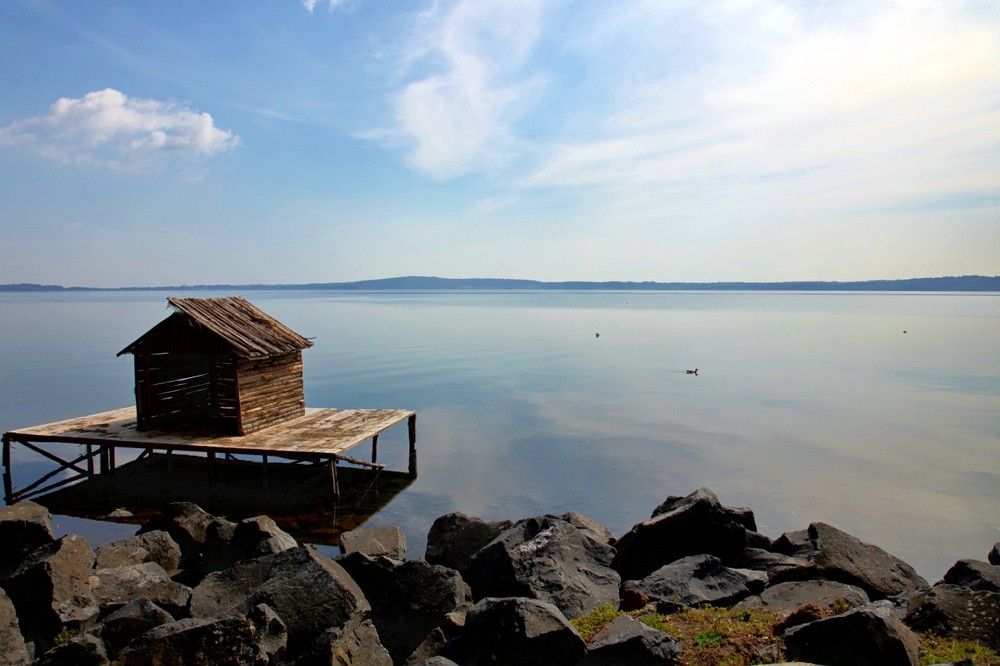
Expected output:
(964, 283)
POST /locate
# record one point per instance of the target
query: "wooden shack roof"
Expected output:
(238, 323)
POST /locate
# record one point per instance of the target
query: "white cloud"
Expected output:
(106, 127)
(457, 118)
(310, 5)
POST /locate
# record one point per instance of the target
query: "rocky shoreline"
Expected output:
(192, 588)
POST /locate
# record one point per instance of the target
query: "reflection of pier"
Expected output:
(320, 436)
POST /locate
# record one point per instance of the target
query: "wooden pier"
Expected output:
(320, 436)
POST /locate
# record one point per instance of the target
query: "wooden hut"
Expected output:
(217, 365)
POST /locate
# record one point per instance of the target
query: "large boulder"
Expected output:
(842, 557)
(80, 650)
(778, 567)
(356, 643)
(387, 541)
(234, 640)
(681, 526)
(131, 620)
(24, 527)
(550, 559)
(155, 546)
(696, 580)
(114, 588)
(959, 613)
(260, 535)
(51, 590)
(308, 591)
(627, 641)
(868, 636)
(13, 651)
(974, 575)
(517, 632)
(455, 537)
(408, 599)
(826, 595)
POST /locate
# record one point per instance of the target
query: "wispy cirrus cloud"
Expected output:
(456, 112)
(106, 127)
(310, 5)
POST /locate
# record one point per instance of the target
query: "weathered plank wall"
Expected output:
(270, 391)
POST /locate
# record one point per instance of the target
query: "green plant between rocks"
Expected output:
(721, 636)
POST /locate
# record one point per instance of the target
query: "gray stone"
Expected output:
(455, 537)
(691, 581)
(81, 650)
(218, 551)
(386, 541)
(272, 631)
(356, 643)
(778, 567)
(188, 525)
(842, 557)
(693, 525)
(827, 595)
(51, 590)
(156, 546)
(13, 652)
(994, 556)
(549, 559)
(867, 636)
(432, 661)
(587, 525)
(958, 613)
(131, 620)
(628, 641)
(518, 632)
(308, 591)
(227, 641)
(974, 575)
(114, 588)
(24, 527)
(408, 599)
(258, 536)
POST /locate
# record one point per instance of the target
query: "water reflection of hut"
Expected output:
(220, 365)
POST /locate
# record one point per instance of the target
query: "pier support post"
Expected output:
(8, 481)
(411, 425)
(334, 483)
(375, 448)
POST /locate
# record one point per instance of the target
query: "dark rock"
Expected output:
(628, 641)
(24, 527)
(588, 525)
(695, 580)
(994, 556)
(549, 559)
(51, 590)
(842, 557)
(693, 525)
(114, 588)
(218, 552)
(82, 650)
(868, 636)
(272, 630)
(758, 540)
(779, 568)
(802, 615)
(375, 541)
(432, 661)
(13, 651)
(518, 632)
(356, 643)
(254, 537)
(188, 525)
(131, 620)
(437, 641)
(959, 613)
(223, 641)
(156, 546)
(408, 599)
(455, 537)
(974, 575)
(827, 595)
(308, 591)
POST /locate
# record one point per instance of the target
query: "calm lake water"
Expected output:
(876, 413)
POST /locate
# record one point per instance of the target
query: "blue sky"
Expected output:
(291, 141)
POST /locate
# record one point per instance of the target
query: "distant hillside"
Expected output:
(420, 283)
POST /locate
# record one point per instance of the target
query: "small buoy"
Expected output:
(904, 332)
(692, 372)
(597, 335)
